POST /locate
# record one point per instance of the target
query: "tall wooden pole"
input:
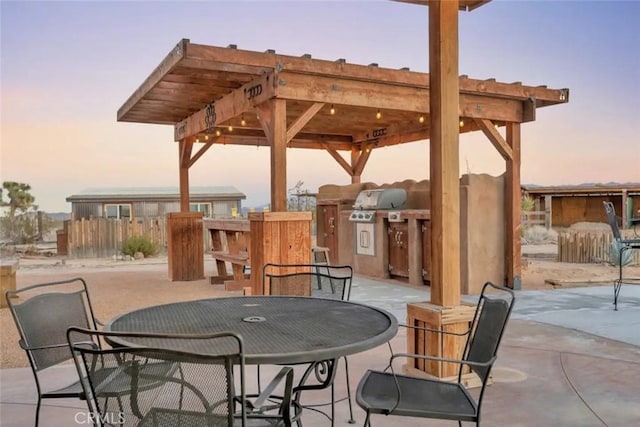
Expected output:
(355, 155)
(279, 155)
(184, 156)
(513, 209)
(444, 152)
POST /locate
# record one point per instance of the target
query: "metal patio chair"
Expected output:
(623, 246)
(42, 314)
(205, 390)
(388, 393)
(318, 281)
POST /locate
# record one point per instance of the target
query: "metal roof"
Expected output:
(156, 193)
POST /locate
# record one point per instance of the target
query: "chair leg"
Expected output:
(38, 410)
(346, 371)
(367, 420)
(617, 285)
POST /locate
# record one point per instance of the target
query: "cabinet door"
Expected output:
(329, 238)
(426, 251)
(398, 249)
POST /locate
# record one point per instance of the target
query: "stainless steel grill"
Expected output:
(370, 201)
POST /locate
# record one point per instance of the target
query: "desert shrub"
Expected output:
(536, 235)
(139, 244)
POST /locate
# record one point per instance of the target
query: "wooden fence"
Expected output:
(536, 218)
(103, 238)
(586, 247)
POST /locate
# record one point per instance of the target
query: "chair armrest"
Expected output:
(443, 359)
(25, 347)
(440, 331)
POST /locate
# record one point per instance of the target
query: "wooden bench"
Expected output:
(230, 243)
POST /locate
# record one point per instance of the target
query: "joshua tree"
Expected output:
(19, 197)
(17, 226)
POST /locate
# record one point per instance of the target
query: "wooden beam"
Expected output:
(341, 161)
(389, 96)
(243, 99)
(363, 158)
(200, 152)
(355, 155)
(513, 249)
(344, 91)
(278, 139)
(303, 120)
(444, 153)
(265, 117)
(529, 110)
(496, 139)
(165, 67)
(184, 155)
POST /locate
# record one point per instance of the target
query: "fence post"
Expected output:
(547, 212)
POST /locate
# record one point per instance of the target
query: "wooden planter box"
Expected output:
(8, 269)
(185, 246)
(451, 319)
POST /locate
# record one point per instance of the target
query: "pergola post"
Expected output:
(444, 153)
(513, 209)
(185, 245)
(184, 156)
(273, 118)
(444, 312)
(355, 155)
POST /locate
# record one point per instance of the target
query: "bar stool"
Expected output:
(320, 255)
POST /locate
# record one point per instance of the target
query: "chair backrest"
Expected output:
(169, 379)
(43, 313)
(319, 281)
(611, 217)
(490, 320)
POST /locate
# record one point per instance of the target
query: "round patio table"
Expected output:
(275, 329)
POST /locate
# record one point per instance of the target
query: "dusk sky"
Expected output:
(66, 68)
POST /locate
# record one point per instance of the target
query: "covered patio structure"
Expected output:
(224, 95)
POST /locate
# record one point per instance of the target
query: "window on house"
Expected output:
(117, 211)
(205, 208)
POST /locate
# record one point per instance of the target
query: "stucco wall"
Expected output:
(482, 228)
(482, 232)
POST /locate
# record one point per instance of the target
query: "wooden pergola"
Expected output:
(223, 95)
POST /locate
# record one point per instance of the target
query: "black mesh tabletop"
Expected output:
(277, 330)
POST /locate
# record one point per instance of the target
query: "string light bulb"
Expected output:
(217, 132)
(230, 128)
(378, 115)
(421, 119)
(332, 110)
(206, 137)
(242, 121)
(197, 139)
(461, 123)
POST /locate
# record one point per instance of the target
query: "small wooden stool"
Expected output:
(320, 255)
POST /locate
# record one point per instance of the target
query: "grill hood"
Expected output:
(383, 198)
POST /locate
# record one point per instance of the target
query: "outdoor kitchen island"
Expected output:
(381, 241)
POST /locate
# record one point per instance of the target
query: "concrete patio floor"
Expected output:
(568, 359)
